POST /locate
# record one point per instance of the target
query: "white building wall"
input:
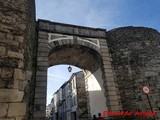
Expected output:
(97, 100)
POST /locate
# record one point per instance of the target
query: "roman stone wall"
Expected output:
(17, 37)
(136, 61)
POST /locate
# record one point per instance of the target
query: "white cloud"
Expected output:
(79, 12)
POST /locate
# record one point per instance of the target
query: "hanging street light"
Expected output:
(69, 69)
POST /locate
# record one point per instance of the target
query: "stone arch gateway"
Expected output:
(80, 46)
(129, 56)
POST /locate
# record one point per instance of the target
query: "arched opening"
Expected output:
(90, 62)
(79, 46)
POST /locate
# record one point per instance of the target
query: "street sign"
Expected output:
(146, 89)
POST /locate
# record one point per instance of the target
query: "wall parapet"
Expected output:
(68, 29)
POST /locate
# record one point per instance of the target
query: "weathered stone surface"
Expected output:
(17, 31)
(70, 29)
(18, 74)
(2, 35)
(135, 54)
(20, 64)
(19, 38)
(9, 42)
(28, 75)
(41, 89)
(15, 55)
(2, 50)
(11, 95)
(16, 109)
(20, 118)
(7, 118)
(40, 101)
(7, 62)
(41, 73)
(41, 83)
(7, 72)
(9, 36)
(40, 95)
(22, 85)
(39, 114)
(3, 109)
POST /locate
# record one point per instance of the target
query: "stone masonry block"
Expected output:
(111, 88)
(107, 65)
(41, 78)
(108, 75)
(104, 46)
(110, 79)
(41, 89)
(110, 83)
(42, 40)
(104, 50)
(112, 93)
(42, 63)
(104, 54)
(20, 64)
(7, 72)
(10, 42)
(113, 97)
(2, 50)
(39, 114)
(40, 95)
(9, 36)
(43, 33)
(42, 68)
(40, 49)
(20, 118)
(44, 45)
(11, 95)
(43, 59)
(41, 83)
(107, 70)
(40, 101)
(42, 54)
(106, 58)
(7, 118)
(2, 35)
(116, 108)
(43, 36)
(3, 109)
(16, 109)
(18, 74)
(22, 85)
(15, 55)
(28, 75)
(19, 38)
(114, 102)
(107, 62)
(41, 73)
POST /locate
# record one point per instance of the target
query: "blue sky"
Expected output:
(107, 14)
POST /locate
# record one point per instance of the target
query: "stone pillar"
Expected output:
(111, 88)
(136, 60)
(41, 77)
(14, 24)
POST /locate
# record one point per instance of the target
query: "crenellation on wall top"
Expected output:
(68, 29)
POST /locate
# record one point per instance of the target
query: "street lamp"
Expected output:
(69, 69)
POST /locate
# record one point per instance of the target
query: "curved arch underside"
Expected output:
(80, 56)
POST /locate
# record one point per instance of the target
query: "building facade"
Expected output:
(70, 101)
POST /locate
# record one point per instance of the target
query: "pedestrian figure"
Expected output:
(94, 117)
(100, 118)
